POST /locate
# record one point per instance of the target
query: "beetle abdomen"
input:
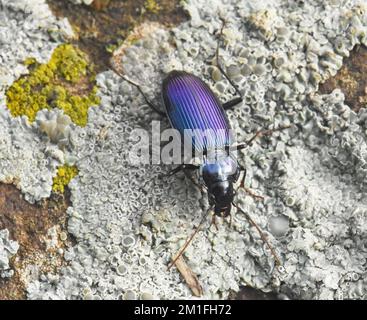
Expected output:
(190, 104)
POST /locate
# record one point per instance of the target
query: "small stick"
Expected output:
(189, 276)
(262, 235)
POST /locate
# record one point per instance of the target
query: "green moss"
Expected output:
(66, 82)
(152, 6)
(63, 177)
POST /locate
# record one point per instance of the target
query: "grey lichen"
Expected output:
(8, 248)
(56, 125)
(27, 29)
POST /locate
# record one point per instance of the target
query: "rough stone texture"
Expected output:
(128, 222)
(351, 79)
(40, 233)
(106, 24)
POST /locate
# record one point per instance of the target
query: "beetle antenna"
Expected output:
(119, 73)
(219, 66)
(179, 254)
(262, 235)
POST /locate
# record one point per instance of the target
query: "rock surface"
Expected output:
(128, 222)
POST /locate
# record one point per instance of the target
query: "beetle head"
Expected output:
(219, 174)
(222, 196)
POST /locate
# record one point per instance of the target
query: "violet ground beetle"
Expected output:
(190, 104)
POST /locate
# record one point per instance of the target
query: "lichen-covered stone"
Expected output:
(27, 29)
(30, 33)
(55, 85)
(128, 221)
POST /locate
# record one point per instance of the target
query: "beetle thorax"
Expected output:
(219, 166)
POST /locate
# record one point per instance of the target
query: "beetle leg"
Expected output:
(249, 191)
(262, 235)
(182, 167)
(231, 103)
(193, 181)
(137, 86)
(182, 250)
(258, 134)
(185, 168)
(214, 221)
(252, 194)
(235, 101)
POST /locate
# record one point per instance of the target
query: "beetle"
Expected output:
(190, 104)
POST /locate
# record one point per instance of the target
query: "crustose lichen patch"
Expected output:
(66, 82)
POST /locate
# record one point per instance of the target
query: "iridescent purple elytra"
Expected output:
(191, 104)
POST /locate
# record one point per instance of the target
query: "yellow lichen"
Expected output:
(66, 82)
(152, 6)
(64, 175)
